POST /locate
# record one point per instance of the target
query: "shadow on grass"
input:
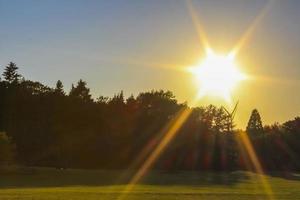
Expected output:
(49, 177)
(196, 178)
(288, 175)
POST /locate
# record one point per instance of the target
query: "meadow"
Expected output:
(54, 184)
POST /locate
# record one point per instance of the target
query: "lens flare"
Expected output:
(249, 151)
(217, 75)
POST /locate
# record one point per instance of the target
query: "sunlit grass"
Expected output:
(90, 185)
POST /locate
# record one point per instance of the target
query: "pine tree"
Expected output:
(10, 73)
(81, 91)
(254, 124)
(59, 88)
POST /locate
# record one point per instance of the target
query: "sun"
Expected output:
(217, 75)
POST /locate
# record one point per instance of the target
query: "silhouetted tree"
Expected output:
(81, 91)
(254, 126)
(59, 88)
(49, 128)
(102, 100)
(11, 74)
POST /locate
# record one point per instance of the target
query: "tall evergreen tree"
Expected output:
(254, 124)
(59, 88)
(10, 73)
(81, 91)
(118, 99)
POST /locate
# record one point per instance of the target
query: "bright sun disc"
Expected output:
(217, 75)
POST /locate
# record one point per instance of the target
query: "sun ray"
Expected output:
(146, 63)
(169, 131)
(250, 30)
(198, 26)
(249, 150)
(174, 125)
(276, 80)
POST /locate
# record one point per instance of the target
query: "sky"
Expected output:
(137, 46)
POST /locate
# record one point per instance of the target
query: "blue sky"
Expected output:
(136, 45)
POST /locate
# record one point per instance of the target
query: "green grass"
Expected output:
(43, 183)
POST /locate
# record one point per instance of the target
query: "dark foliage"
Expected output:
(50, 128)
(255, 126)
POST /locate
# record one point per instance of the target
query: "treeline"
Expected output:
(44, 126)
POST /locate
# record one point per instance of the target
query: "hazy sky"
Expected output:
(139, 45)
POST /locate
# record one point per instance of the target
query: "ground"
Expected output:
(53, 184)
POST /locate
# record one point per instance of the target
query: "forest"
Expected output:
(45, 126)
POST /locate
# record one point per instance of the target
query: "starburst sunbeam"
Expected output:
(198, 26)
(169, 132)
(211, 72)
(217, 75)
(245, 143)
(250, 30)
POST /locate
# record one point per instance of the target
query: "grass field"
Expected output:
(43, 183)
